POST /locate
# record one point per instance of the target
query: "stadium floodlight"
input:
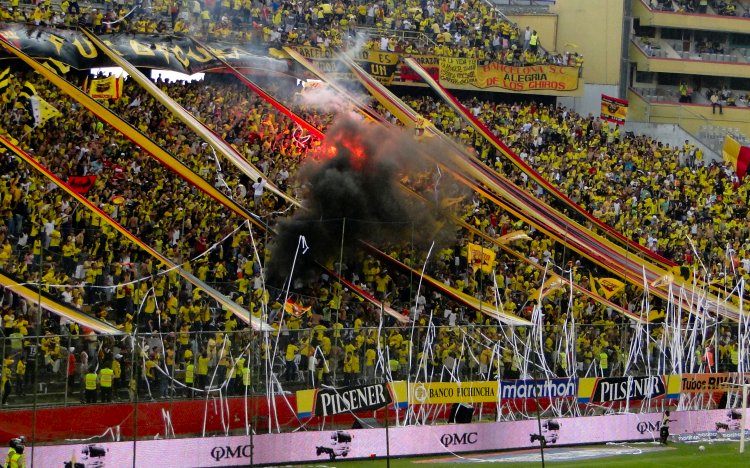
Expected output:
(743, 423)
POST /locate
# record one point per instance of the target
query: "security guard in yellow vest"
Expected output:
(534, 42)
(15, 457)
(604, 363)
(189, 379)
(106, 376)
(734, 356)
(89, 381)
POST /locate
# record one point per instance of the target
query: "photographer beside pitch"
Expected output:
(664, 428)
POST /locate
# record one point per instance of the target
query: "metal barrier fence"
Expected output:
(52, 370)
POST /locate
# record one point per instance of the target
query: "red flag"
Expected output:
(736, 155)
(81, 184)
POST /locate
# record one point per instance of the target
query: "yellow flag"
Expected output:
(480, 257)
(42, 110)
(592, 284)
(106, 88)
(608, 287)
(4, 80)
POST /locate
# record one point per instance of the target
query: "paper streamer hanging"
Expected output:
(187, 118)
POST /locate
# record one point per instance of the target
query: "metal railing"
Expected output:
(418, 37)
(154, 366)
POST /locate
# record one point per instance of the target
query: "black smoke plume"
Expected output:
(357, 177)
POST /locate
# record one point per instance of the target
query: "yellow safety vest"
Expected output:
(189, 372)
(15, 459)
(603, 360)
(105, 378)
(246, 376)
(90, 380)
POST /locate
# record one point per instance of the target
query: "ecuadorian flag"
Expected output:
(736, 155)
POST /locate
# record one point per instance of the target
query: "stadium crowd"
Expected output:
(667, 199)
(468, 28)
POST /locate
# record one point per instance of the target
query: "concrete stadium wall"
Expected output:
(592, 28)
(545, 25)
(590, 102)
(672, 134)
(312, 446)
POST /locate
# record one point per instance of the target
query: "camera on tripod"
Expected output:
(542, 440)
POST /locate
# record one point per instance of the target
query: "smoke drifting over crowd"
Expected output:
(352, 186)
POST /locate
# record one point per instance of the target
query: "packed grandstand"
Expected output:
(360, 254)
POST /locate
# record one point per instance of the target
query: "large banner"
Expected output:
(381, 65)
(541, 388)
(614, 389)
(332, 401)
(451, 72)
(180, 54)
(495, 75)
(321, 446)
(528, 78)
(453, 392)
(492, 391)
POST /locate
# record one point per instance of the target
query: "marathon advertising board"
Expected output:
(614, 389)
(322, 446)
(177, 53)
(541, 388)
(331, 401)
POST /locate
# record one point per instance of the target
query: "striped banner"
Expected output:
(367, 111)
(133, 134)
(524, 259)
(84, 99)
(187, 118)
(500, 146)
(33, 297)
(486, 308)
(241, 313)
(540, 215)
(267, 97)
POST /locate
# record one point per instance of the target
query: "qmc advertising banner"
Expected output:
(320, 446)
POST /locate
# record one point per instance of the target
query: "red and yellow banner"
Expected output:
(736, 155)
(298, 310)
(527, 78)
(614, 109)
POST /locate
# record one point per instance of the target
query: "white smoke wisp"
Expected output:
(320, 96)
(324, 97)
